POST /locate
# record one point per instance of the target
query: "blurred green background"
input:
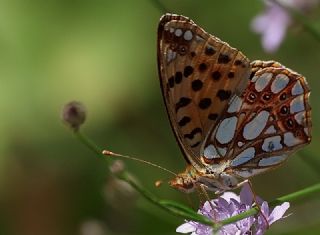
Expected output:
(103, 53)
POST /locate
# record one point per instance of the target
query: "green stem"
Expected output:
(307, 192)
(88, 143)
(172, 208)
(187, 213)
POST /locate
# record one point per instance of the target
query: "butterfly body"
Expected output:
(232, 118)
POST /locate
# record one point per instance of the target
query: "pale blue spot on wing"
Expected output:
(263, 81)
(290, 139)
(297, 104)
(297, 89)
(226, 130)
(272, 144)
(272, 160)
(235, 104)
(279, 83)
(210, 152)
(254, 128)
(245, 156)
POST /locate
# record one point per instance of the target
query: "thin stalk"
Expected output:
(186, 212)
(88, 143)
(307, 192)
(177, 210)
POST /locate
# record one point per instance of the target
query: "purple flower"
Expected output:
(273, 23)
(230, 204)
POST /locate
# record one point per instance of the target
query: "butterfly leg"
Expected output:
(204, 196)
(254, 199)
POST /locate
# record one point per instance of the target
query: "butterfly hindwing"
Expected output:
(199, 75)
(263, 126)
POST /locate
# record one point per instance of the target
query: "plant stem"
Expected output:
(172, 207)
(88, 143)
(186, 212)
(307, 192)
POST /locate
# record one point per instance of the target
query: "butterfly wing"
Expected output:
(263, 126)
(199, 74)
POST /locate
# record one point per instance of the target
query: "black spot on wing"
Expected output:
(188, 70)
(209, 51)
(196, 144)
(223, 59)
(213, 116)
(223, 94)
(178, 77)
(184, 121)
(196, 85)
(216, 75)
(184, 101)
(204, 103)
(193, 133)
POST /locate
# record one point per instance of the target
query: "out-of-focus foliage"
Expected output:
(103, 53)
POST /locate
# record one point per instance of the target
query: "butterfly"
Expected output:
(232, 118)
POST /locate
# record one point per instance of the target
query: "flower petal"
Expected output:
(278, 212)
(228, 195)
(246, 196)
(186, 228)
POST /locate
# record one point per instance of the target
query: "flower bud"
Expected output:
(74, 114)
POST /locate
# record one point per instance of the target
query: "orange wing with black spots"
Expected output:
(199, 74)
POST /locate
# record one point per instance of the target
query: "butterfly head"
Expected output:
(185, 181)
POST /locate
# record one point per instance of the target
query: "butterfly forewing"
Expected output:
(199, 75)
(260, 128)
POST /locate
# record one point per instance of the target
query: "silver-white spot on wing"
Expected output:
(226, 130)
(272, 160)
(272, 144)
(300, 118)
(297, 104)
(244, 156)
(222, 151)
(254, 128)
(290, 140)
(249, 172)
(171, 55)
(263, 81)
(279, 83)
(234, 104)
(270, 130)
(187, 35)
(178, 32)
(240, 144)
(210, 152)
(297, 89)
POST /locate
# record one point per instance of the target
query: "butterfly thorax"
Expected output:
(216, 179)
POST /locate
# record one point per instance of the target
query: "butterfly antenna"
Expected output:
(112, 154)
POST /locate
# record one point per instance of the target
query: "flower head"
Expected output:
(230, 204)
(273, 23)
(74, 114)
